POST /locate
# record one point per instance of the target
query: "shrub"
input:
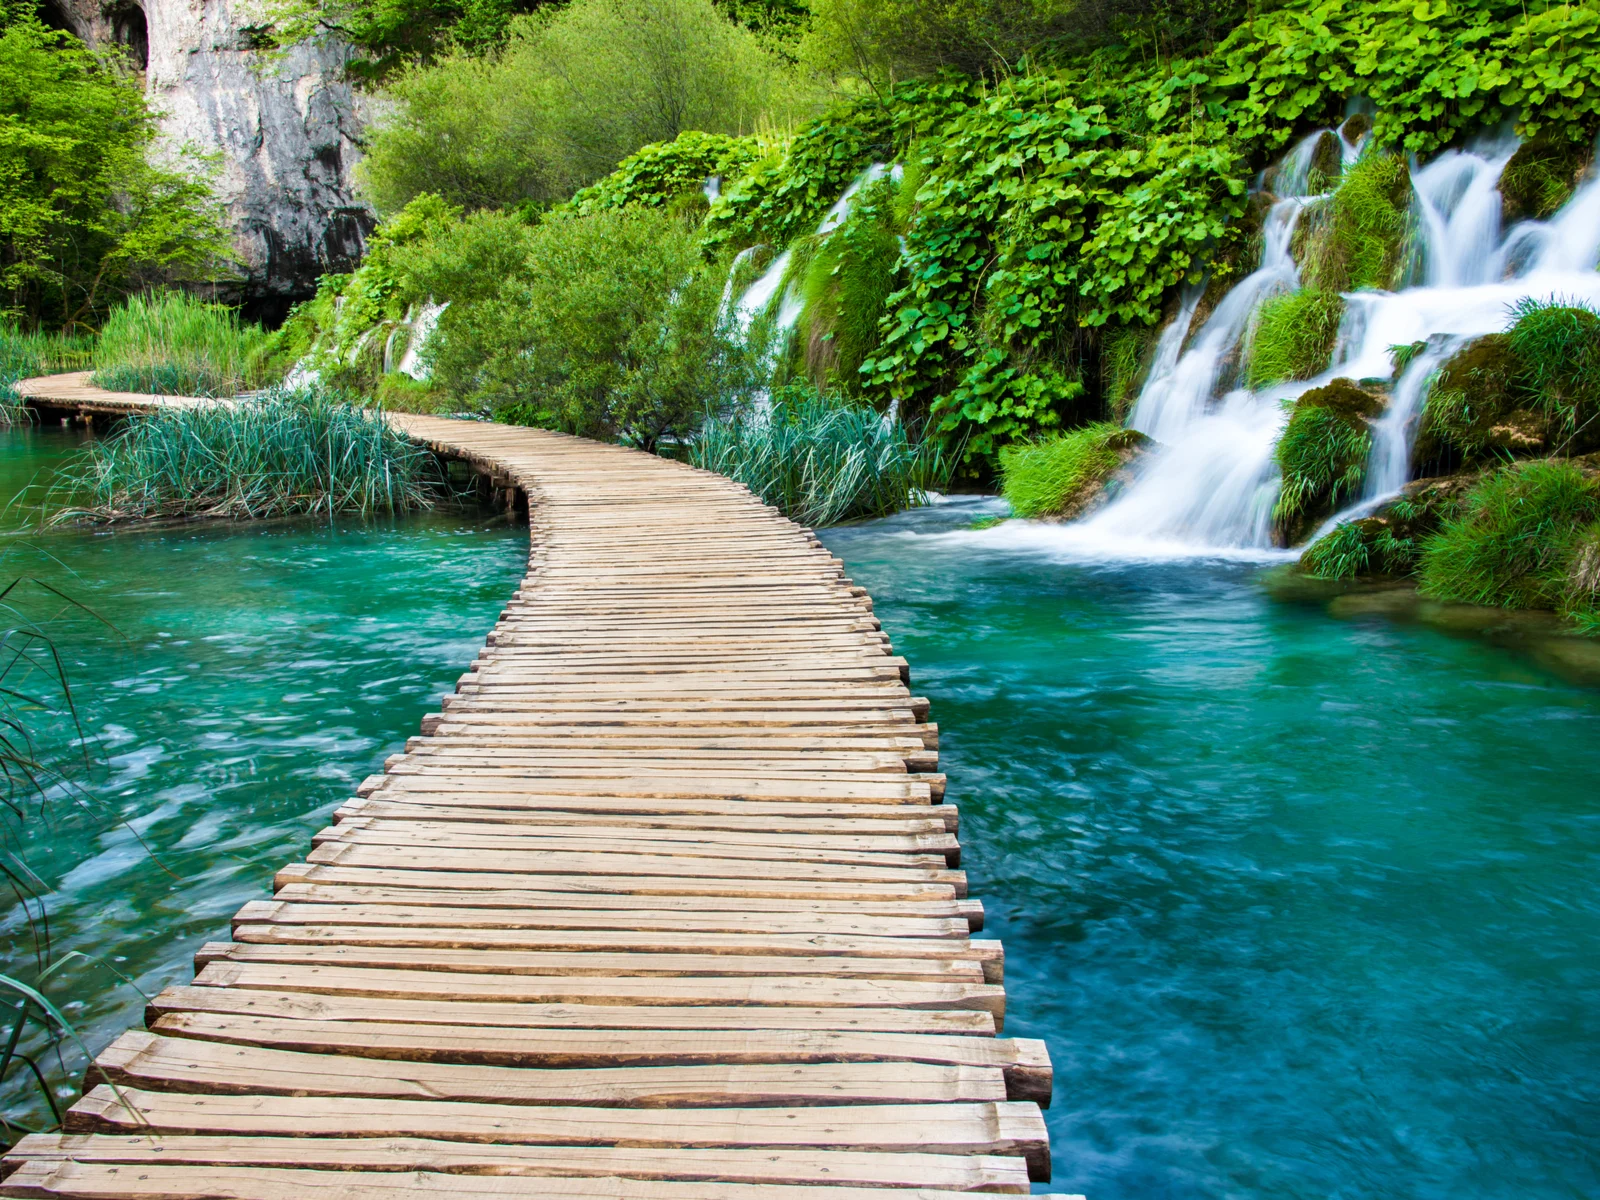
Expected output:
(665, 171)
(1294, 337)
(172, 344)
(85, 216)
(1060, 476)
(1516, 538)
(574, 92)
(288, 453)
(1557, 347)
(1355, 241)
(607, 326)
(1323, 455)
(819, 458)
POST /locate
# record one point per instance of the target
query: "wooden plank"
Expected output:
(1004, 1128)
(842, 1168)
(1022, 1061)
(151, 1061)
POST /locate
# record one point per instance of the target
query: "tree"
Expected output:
(85, 216)
(572, 94)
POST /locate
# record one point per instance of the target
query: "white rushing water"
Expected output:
(1207, 488)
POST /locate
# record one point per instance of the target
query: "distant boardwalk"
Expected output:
(661, 906)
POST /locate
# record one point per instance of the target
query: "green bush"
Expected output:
(1294, 337)
(1514, 542)
(170, 343)
(1355, 241)
(1060, 475)
(574, 92)
(819, 458)
(1557, 345)
(85, 216)
(607, 326)
(1322, 455)
(663, 172)
(286, 454)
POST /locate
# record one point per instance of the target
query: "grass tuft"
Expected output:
(285, 454)
(821, 459)
(1294, 337)
(1323, 455)
(1357, 238)
(1059, 476)
(171, 344)
(1557, 344)
(1516, 539)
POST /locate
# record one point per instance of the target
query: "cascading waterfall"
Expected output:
(1208, 487)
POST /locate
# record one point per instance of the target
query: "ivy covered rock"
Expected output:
(665, 172)
(1323, 456)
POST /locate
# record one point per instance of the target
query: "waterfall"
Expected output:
(421, 330)
(1208, 487)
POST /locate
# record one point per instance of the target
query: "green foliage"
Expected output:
(607, 326)
(85, 218)
(170, 343)
(997, 404)
(1060, 475)
(288, 453)
(1390, 541)
(1580, 599)
(1541, 177)
(1122, 361)
(1355, 241)
(819, 458)
(573, 92)
(1322, 455)
(1515, 540)
(845, 287)
(881, 41)
(389, 34)
(664, 171)
(1557, 345)
(1474, 407)
(1294, 337)
(25, 354)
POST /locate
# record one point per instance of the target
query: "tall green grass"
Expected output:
(1322, 454)
(821, 459)
(171, 344)
(1557, 343)
(24, 355)
(1514, 543)
(1294, 337)
(1059, 475)
(285, 454)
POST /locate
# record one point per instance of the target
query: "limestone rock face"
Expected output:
(281, 130)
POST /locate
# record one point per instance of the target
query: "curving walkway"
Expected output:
(662, 905)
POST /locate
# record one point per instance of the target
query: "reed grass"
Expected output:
(171, 344)
(820, 459)
(24, 355)
(287, 453)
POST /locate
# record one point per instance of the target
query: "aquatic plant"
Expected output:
(1516, 537)
(170, 343)
(1294, 337)
(1557, 347)
(287, 453)
(820, 458)
(1061, 475)
(1323, 454)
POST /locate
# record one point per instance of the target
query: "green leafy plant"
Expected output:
(1515, 539)
(288, 453)
(1294, 337)
(1322, 455)
(170, 343)
(820, 458)
(661, 173)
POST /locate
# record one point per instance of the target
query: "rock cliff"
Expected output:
(281, 129)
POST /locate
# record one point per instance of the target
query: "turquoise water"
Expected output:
(256, 674)
(1304, 906)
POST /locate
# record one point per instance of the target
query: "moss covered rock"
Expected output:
(1541, 177)
(1065, 476)
(1476, 410)
(1557, 350)
(1389, 542)
(1294, 337)
(1355, 240)
(1323, 455)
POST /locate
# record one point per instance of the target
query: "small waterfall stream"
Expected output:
(1208, 487)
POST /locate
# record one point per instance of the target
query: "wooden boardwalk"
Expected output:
(662, 905)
